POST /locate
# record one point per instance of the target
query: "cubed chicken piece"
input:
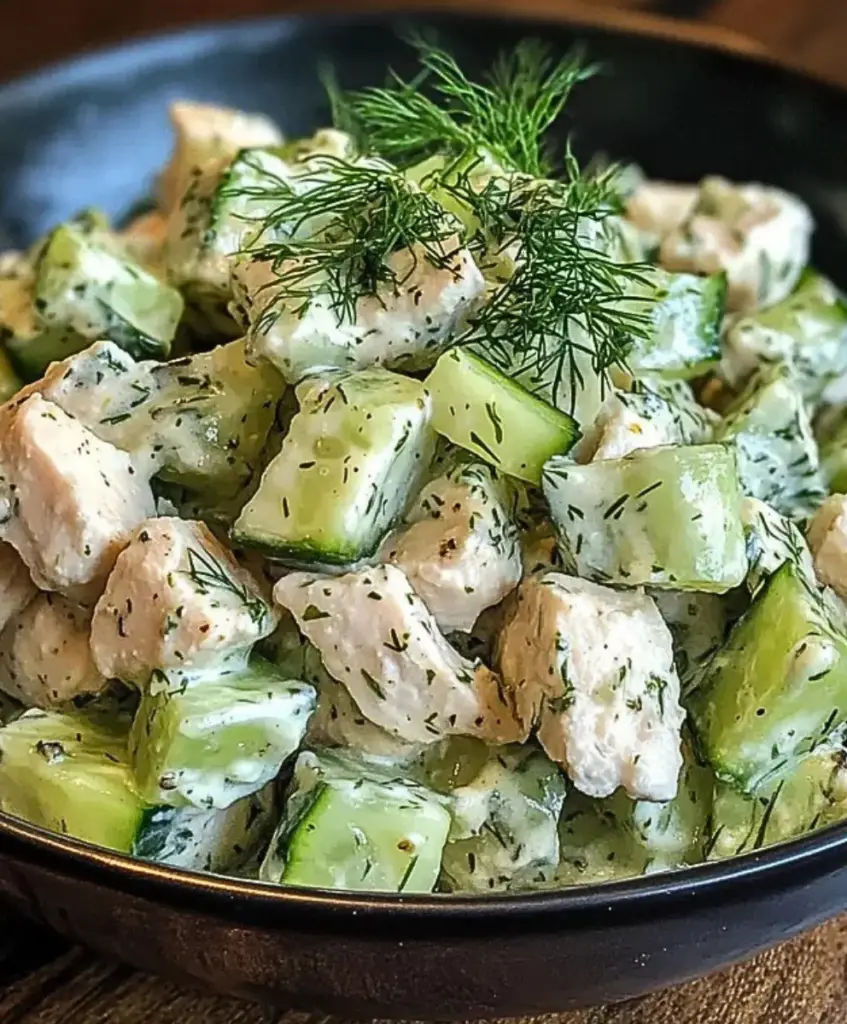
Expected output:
(377, 637)
(460, 549)
(45, 657)
(205, 133)
(827, 536)
(406, 326)
(594, 667)
(98, 387)
(69, 500)
(176, 601)
(760, 236)
(658, 207)
(338, 722)
(645, 418)
(16, 586)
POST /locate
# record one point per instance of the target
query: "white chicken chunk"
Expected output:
(658, 207)
(405, 325)
(645, 418)
(827, 536)
(759, 235)
(205, 133)
(377, 637)
(460, 549)
(338, 722)
(16, 586)
(176, 601)
(594, 667)
(45, 657)
(69, 500)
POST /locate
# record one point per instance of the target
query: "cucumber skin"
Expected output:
(371, 817)
(498, 406)
(81, 788)
(756, 708)
(808, 795)
(63, 260)
(621, 540)
(305, 479)
(673, 313)
(186, 735)
(778, 460)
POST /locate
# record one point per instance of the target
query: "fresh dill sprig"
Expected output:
(506, 116)
(568, 301)
(207, 574)
(333, 228)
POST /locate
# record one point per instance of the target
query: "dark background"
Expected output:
(812, 33)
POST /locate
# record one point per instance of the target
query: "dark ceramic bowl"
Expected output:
(95, 131)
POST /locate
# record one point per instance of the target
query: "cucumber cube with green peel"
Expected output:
(478, 408)
(807, 329)
(797, 799)
(354, 453)
(208, 840)
(349, 825)
(778, 686)
(778, 459)
(665, 517)
(68, 774)
(82, 285)
(210, 415)
(683, 339)
(505, 823)
(216, 740)
(222, 211)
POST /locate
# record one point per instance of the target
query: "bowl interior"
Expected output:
(95, 131)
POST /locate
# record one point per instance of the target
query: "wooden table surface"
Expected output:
(44, 980)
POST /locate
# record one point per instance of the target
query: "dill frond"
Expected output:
(506, 116)
(568, 302)
(333, 228)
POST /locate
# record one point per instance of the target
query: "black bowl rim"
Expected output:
(313, 907)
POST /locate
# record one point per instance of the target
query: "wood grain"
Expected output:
(43, 980)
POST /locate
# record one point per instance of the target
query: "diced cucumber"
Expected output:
(354, 453)
(798, 799)
(84, 286)
(349, 826)
(209, 415)
(808, 329)
(505, 824)
(221, 213)
(201, 421)
(777, 687)
(778, 459)
(668, 517)
(479, 409)
(698, 625)
(29, 344)
(70, 774)
(772, 540)
(215, 840)
(672, 834)
(831, 432)
(216, 740)
(593, 845)
(684, 339)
